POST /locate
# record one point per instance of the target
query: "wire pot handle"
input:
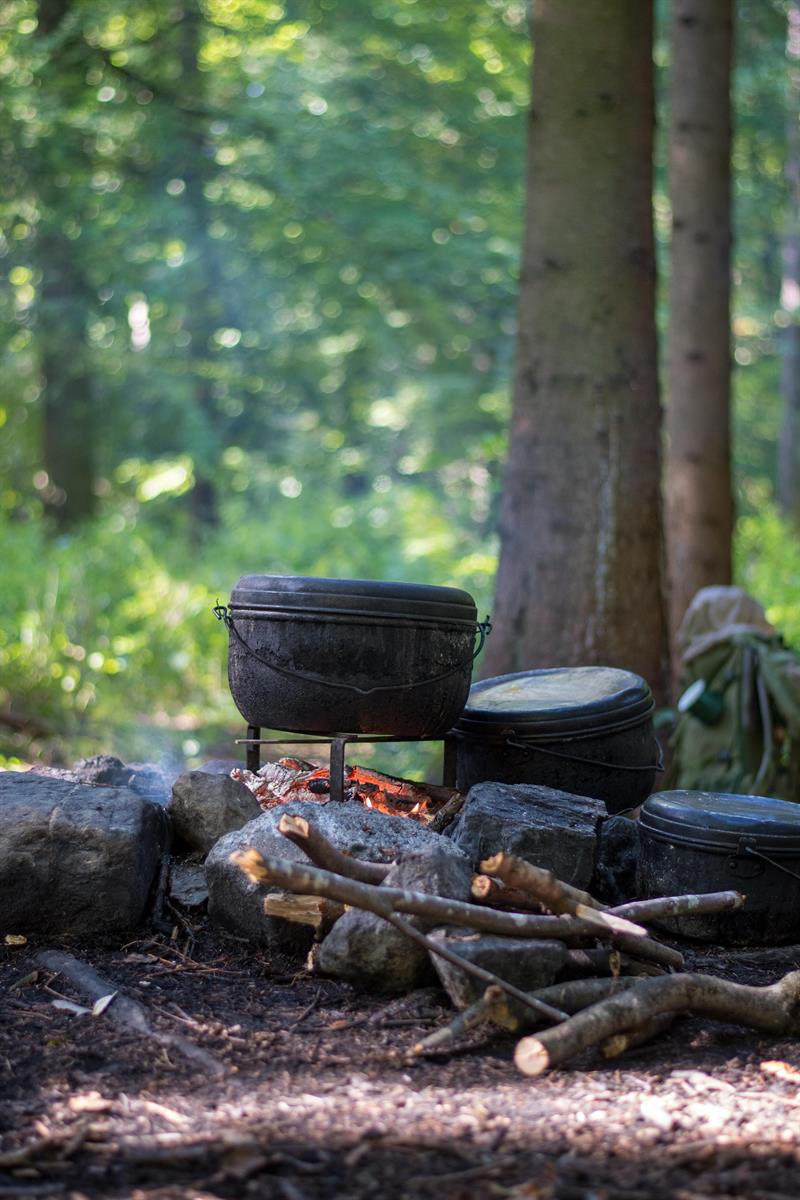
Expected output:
(748, 848)
(658, 765)
(222, 613)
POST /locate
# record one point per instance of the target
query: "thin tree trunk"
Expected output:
(699, 500)
(68, 416)
(789, 440)
(205, 307)
(580, 573)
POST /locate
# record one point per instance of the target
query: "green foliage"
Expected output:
(768, 566)
(108, 636)
(280, 241)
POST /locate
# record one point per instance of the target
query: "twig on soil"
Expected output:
(467, 1019)
(773, 1009)
(324, 854)
(307, 1011)
(124, 1011)
(383, 901)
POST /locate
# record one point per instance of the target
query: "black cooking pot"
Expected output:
(333, 656)
(585, 730)
(710, 842)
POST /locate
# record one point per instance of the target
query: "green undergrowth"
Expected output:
(108, 642)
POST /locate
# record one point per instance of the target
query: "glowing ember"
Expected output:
(294, 779)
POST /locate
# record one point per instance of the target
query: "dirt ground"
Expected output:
(318, 1099)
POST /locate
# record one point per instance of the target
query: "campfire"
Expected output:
(277, 783)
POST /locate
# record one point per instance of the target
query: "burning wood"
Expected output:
(295, 779)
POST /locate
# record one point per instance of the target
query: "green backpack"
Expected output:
(738, 727)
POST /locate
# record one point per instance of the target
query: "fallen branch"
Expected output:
(123, 1010)
(774, 1009)
(569, 997)
(576, 994)
(515, 872)
(467, 1019)
(557, 896)
(621, 1042)
(494, 894)
(296, 877)
(678, 906)
(324, 854)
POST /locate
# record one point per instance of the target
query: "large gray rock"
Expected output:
(238, 905)
(526, 962)
(546, 827)
(203, 807)
(106, 770)
(75, 858)
(364, 949)
(615, 860)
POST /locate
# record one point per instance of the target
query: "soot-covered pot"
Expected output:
(363, 656)
(585, 730)
(711, 842)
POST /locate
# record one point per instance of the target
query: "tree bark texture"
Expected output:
(205, 310)
(699, 499)
(580, 573)
(789, 440)
(68, 403)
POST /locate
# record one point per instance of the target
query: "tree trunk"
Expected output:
(789, 440)
(68, 426)
(579, 580)
(699, 500)
(205, 309)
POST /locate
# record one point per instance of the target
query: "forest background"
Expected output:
(276, 328)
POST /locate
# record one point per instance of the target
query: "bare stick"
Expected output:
(621, 1042)
(575, 994)
(774, 1009)
(571, 996)
(123, 1010)
(467, 1019)
(536, 881)
(677, 906)
(557, 896)
(324, 854)
(494, 894)
(296, 877)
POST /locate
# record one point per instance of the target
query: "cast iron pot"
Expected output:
(585, 730)
(333, 656)
(712, 842)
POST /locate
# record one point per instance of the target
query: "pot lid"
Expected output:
(310, 594)
(559, 700)
(723, 820)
